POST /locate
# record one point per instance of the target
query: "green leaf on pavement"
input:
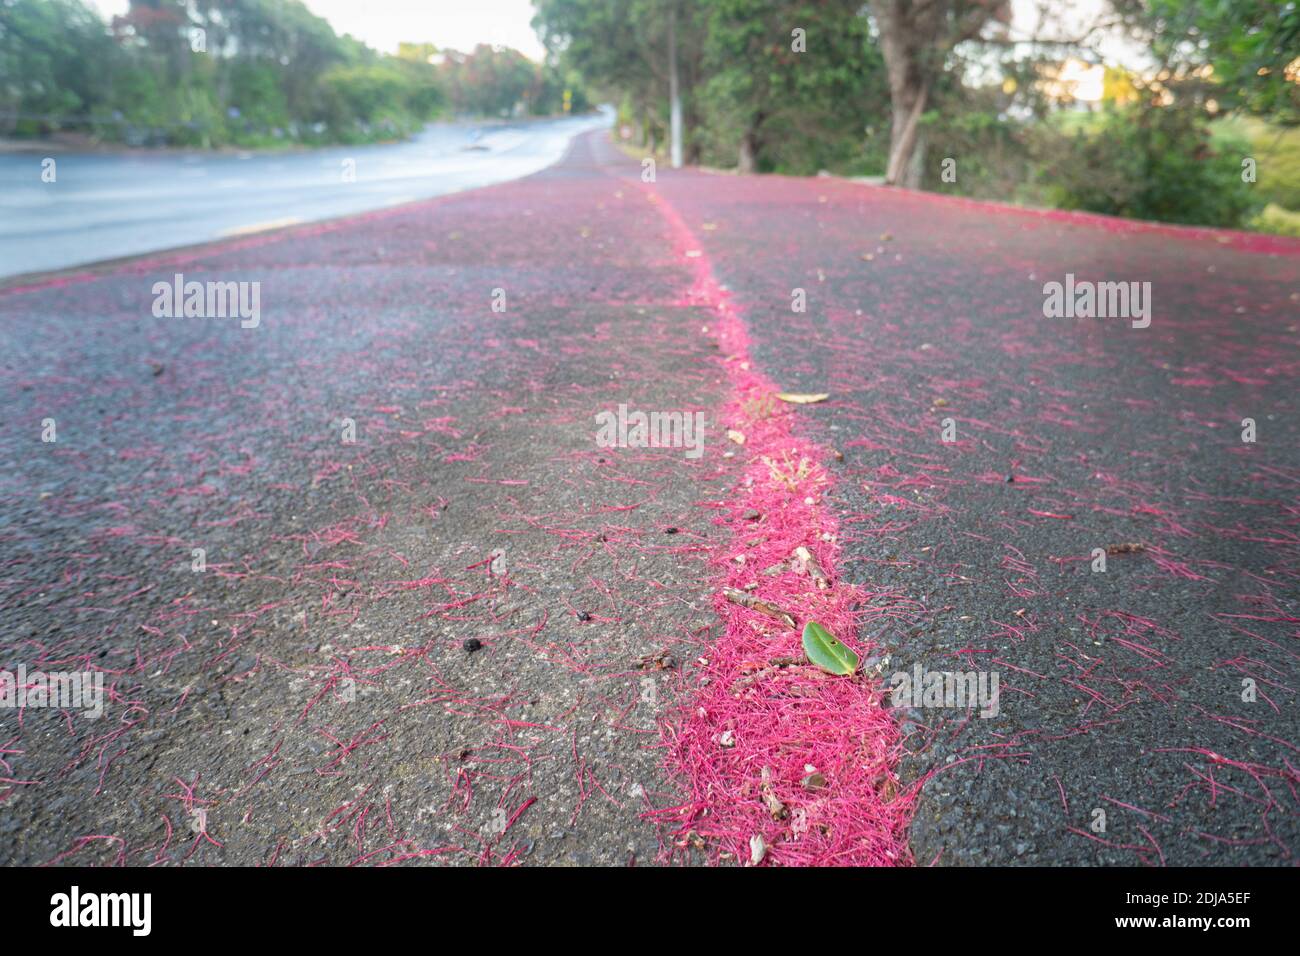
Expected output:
(826, 652)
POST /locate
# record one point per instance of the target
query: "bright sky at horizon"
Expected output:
(454, 24)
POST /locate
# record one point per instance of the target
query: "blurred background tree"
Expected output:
(52, 57)
(790, 86)
(620, 49)
(248, 72)
(498, 81)
(893, 89)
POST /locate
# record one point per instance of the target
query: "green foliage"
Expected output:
(1273, 218)
(248, 72)
(488, 81)
(548, 91)
(1253, 46)
(618, 47)
(424, 94)
(48, 52)
(1150, 162)
(273, 72)
(255, 91)
(794, 103)
(977, 127)
(363, 101)
(613, 44)
(1276, 151)
(745, 90)
(823, 650)
(751, 101)
(498, 81)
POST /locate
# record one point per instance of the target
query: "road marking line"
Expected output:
(260, 227)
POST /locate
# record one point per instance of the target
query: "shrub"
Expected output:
(1150, 162)
(361, 100)
(1279, 221)
(1275, 149)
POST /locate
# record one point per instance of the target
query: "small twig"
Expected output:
(659, 662)
(1126, 548)
(777, 664)
(754, 604)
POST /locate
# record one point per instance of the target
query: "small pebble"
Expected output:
(472, 644)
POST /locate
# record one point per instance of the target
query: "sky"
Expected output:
(382, 24)
(1069, 20)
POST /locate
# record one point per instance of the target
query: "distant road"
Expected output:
(107, 205)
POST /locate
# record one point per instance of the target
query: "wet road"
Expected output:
(109, 205)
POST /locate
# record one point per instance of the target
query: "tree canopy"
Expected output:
(255, 72)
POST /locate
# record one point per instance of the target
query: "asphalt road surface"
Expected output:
(110, 204)
(364, 587)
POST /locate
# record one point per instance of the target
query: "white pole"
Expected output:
(674, 94)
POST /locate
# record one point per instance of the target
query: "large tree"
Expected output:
(622, 46)
(916, 37)
(1253, 47)
(50, 51)
(781, 71)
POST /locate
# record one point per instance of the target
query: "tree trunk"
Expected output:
(751, 145)
(915, 38)
(908, 100)
(747, 161)
(914, 176)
